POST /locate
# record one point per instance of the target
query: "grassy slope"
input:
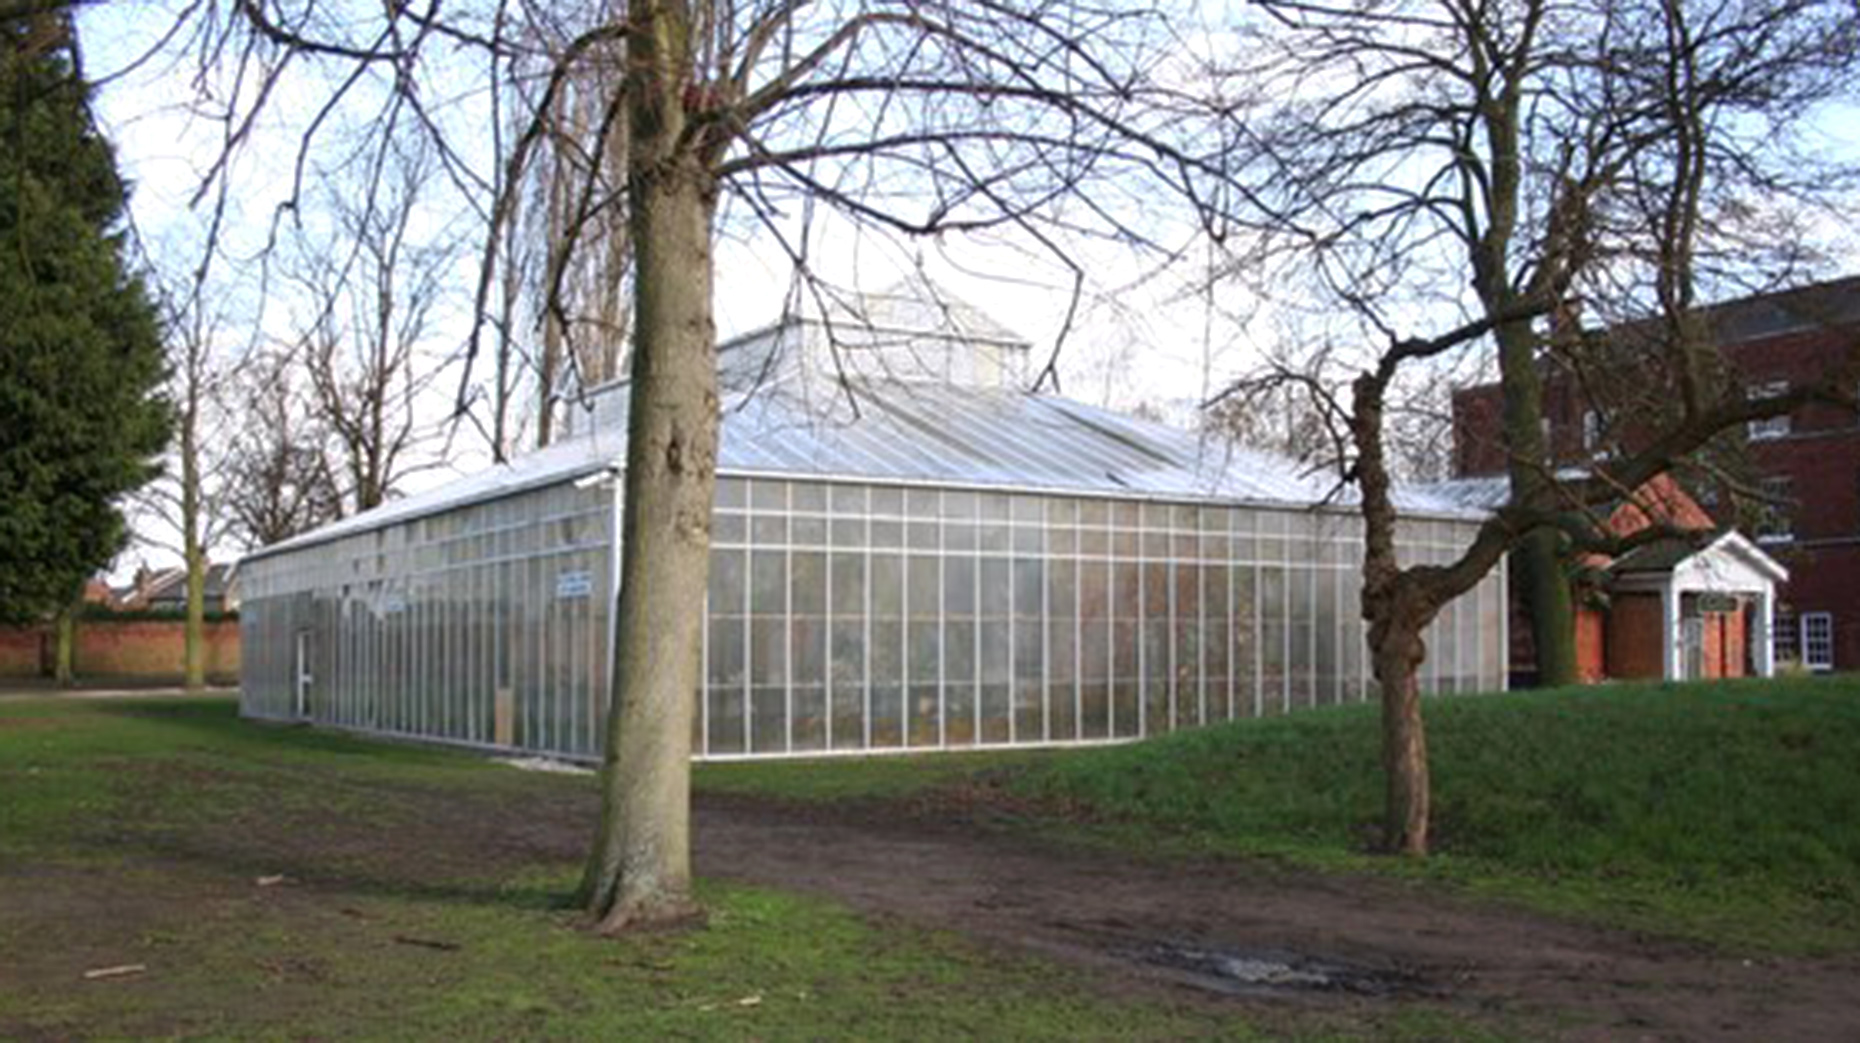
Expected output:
(1722, 812)
(137, 833)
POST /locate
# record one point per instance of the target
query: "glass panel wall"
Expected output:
(844, 617)
(485, 624)
(916, 618)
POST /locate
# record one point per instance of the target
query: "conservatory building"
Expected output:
(908, 553)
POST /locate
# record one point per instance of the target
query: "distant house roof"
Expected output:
(1659, 498)
(1835, 302)
(170, 584)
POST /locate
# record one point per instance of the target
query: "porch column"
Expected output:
(1670, 630)
(1766, 621)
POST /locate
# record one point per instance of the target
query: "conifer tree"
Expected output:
(80, 345)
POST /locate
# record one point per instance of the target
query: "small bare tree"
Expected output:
(277, 477)
(378, 290)
(181, 511)
(581, 292)
(201, 522)
(1302, 420)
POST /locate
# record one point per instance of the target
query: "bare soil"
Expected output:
(1111, 912)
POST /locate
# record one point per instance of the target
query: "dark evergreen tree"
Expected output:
(81, 418)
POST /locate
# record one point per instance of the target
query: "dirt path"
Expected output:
(1135, 920)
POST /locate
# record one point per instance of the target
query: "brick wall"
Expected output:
(136, 650)
(20, 655)
(1591, 645)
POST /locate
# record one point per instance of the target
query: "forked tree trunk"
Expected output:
(1397, 607)
(639, 872)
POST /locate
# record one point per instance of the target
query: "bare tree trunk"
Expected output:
(548, 375)
(64, 647)
(1543, 579)
(1552, 607)
(1397, 609)
(1397, 655)
(1532, 463)
(193, 640)
(549, 367)
(639, 871)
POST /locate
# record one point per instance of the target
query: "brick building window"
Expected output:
(1774, 521)
(1773, 427)
(1818, 640)
(1782, 639)
(1592, 435)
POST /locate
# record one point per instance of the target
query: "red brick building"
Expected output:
(1805, 467)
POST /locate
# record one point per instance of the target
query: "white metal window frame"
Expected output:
(1817, 640)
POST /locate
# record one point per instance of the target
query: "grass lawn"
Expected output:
(418, 901)
(419, 886)
(1722, 812)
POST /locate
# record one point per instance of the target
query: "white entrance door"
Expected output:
(301, 676)
(1692, 652)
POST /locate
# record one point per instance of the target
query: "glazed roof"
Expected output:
(807, 425)
(926, 434)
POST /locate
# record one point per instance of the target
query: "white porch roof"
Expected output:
(1731, 562)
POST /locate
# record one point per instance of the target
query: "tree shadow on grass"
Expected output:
(256, 800)
(218, 718)
(358, 869)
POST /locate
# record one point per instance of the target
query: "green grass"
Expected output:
(68, 764)
(137, 832)
(1720, 812)
(881, 777)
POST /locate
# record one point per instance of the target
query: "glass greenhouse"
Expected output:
(929, 560)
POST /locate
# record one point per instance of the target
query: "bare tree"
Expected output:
(181, 511)
(562, 314)
(1302, 420)
(581, 292)
(378, 289)
(195, 377)
(1525, 164)
(277, 479)
(912, 116)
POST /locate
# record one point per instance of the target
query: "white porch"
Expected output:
(1690, 579)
